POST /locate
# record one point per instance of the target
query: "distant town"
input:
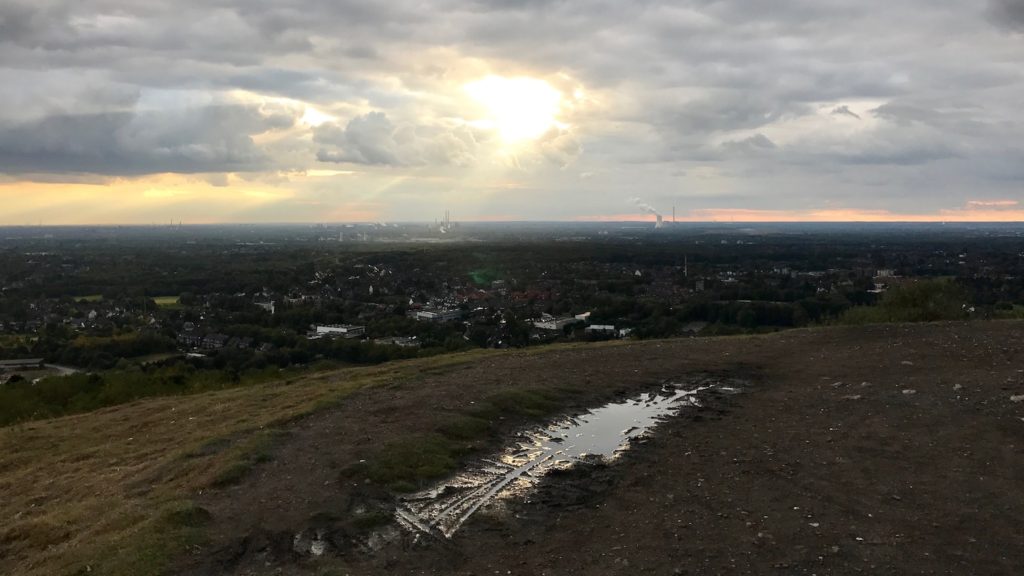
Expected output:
(241, 300)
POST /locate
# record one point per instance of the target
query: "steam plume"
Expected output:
(644, 206)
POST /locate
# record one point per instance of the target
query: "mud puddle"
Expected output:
(600, 434)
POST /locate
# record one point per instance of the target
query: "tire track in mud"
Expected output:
(599, 434)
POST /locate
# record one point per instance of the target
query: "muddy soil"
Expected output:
(879, 450)
(601, 435)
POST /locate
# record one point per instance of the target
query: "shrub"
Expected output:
(924, 301)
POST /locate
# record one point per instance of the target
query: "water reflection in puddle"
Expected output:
(600, 433)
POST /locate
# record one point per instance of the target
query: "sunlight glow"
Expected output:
(328, 173)
(519, 108)
(314, 117)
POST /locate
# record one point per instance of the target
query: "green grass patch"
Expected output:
(151, 549)
(254, 451)
(154, 358)
(530, 404)
(32, 533)
(232, 474)
(484, 276)
(407, 465)
(466, 428)
(58, 395)
(185, 514)
(209, 448)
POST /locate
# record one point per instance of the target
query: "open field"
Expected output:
(154, 358)
(16, 339)
(167, 301)
(874, 449)
(162, 301)
(89, 298)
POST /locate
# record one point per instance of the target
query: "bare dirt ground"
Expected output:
(877, 450)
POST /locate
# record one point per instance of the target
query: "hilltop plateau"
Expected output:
(871, 449)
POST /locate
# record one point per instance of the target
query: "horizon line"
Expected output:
(665, 224)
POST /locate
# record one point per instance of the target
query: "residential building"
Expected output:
(342, 330)
(215, 341)
(437, 315)
(554, 323)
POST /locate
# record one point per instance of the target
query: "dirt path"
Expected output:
(880, 450)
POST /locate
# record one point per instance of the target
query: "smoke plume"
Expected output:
(644, 206)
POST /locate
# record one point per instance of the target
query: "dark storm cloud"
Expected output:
(17, 22)
(372, 139)
(368, 139)
(1009, 13)
(209, 139)
(730, 111)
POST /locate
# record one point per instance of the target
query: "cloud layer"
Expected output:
(801, 105)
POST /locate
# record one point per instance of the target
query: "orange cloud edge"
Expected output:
(143, 201)
(976, 211)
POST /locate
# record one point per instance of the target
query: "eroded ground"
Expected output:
(879, 450)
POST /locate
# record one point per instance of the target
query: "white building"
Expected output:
(554, 323)
(343, 330)
(436, 315)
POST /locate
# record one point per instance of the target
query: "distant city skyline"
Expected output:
(117, 112)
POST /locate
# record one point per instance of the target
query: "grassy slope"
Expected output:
(111, 490)
(108, 491)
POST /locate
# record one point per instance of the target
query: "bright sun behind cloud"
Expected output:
(519, 108)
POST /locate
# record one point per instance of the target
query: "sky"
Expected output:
(202, 111)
